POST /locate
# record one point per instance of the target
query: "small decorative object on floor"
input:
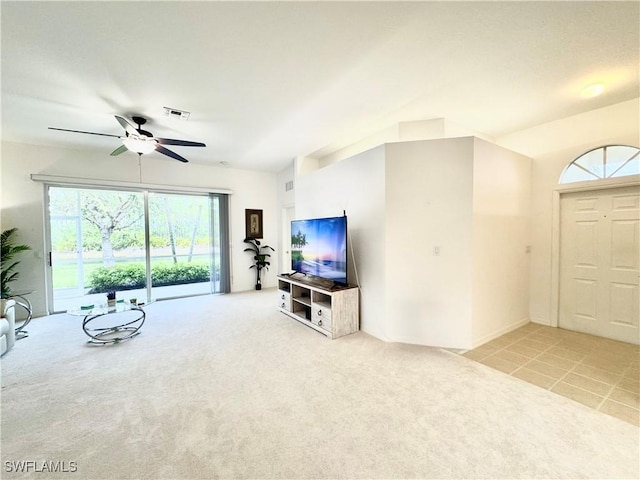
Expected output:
(259, 258)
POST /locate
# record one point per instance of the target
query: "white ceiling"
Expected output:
(268, 81)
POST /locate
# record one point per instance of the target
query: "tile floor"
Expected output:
(600, 373)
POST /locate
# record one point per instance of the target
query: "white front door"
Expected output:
(599, 256)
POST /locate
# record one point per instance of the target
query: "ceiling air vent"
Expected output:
(175, 113)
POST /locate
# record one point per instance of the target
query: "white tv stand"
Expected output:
(330, 309)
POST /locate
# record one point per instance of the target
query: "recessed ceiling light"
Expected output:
(592, 90)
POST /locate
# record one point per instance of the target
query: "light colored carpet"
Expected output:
(227, 387)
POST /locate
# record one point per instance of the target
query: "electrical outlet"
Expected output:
(436, 251)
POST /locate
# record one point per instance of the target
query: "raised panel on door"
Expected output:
(624, 305)
(585, 293)
(624, 246)
(586, 242)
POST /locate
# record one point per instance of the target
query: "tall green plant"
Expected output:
(259, 258)
(8, 250)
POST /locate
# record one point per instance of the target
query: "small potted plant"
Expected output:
(259, 258)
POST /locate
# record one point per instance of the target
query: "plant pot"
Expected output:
(258, 286)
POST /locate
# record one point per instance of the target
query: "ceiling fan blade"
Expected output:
(182, 143)
(169, 153)
(129, 128)
(81, 131)
(119, 150)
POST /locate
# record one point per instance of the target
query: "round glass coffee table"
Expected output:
(107, 325)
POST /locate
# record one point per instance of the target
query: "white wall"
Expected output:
(23, 200)
(501, 234)
(355, 186)
(429, 187)
(466, 197)
(552, 146)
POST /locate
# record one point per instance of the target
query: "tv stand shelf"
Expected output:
(328, 308)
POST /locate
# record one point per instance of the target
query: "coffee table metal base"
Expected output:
(23, 302)
(116, 333)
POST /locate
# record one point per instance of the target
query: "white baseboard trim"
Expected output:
(487, 338)
(375, 333)
(539, 321)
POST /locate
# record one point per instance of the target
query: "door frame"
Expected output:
(288, 213)
(558, 192)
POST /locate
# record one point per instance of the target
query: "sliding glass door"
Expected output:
(181, 245)
(143, 245)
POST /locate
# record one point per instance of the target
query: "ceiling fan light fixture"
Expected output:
(140, 141)
(139, 145)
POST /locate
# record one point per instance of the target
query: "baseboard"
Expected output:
(498, 333)
(539, 321)
(375, 334)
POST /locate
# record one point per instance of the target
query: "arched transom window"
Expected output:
(603, 162)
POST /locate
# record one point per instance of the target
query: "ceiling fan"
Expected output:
(139, 140)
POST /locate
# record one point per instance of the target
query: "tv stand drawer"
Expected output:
(321, 316)
(284, 300)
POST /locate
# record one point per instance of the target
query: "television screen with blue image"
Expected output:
(319, 247)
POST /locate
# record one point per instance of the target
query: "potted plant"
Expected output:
(8, 250)
(259, 258)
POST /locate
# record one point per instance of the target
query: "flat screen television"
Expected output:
(319, 247)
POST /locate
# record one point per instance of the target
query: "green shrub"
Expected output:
(158, 242)
(183, 242)
(132, 276)
(202, 241)
(120, 277)
(179, 273)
